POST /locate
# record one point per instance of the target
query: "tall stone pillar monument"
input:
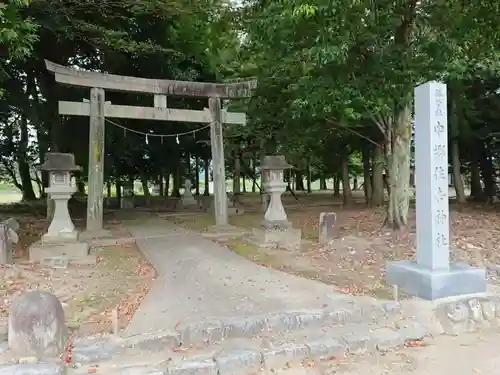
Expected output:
(430, 275)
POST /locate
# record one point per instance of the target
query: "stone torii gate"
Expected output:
(98, 109)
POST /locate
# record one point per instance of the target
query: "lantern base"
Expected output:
(276, 224)
(287, 238)
(75, 252)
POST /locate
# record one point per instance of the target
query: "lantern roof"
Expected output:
(59, 162)
(275, 162)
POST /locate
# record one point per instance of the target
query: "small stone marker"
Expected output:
(37, 325)
(8, 237)
(328, 230)
(431, 276)
(127, 201)
(187, 197)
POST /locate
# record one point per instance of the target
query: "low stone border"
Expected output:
(241, 360)
(213, 331)
(465, 315)
(246, 361)
(469, 315)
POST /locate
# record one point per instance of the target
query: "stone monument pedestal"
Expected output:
(62, 239)
(422, 282)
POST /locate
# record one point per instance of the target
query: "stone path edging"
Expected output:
(465, 315)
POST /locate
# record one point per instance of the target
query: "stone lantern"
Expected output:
(61, 238)
(276, 231)
(272, 170)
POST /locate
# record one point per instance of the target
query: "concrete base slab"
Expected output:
(460, 279)
(40, 250)
(287, 238)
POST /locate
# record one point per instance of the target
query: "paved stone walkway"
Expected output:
(198, 279)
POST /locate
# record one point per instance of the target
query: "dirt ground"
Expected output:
(355, 263)
(89, 294)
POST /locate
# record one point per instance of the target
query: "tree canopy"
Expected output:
(334, 95)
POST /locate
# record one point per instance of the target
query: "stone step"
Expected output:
(267, 351)
(211, 331)
(350, 325)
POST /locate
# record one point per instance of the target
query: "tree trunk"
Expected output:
(399, 170)
(457, 176)
(161, 183)
(309, 189)
(299, 181)
(167, 183)
(336, 186)
(108, 188)
(367, 183)
(118, 186)
(254, 182)
(236, 176)
(145, 186)
(206, 165)
(322, 183)
(346, 183)
(476, 189)
(377, 199)
(188, 164)
(486, 168)
(23, 164)
(197, 175)
(176, 181)
(243, 183)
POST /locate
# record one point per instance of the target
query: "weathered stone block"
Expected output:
(202, 333)
(386, 338)
(32, 369)
(358, 342)
(328, 230)
(392, 306)
(325, 348)
(193, 367)
(238, 361)
(278, 357)
(153, 341)
(99, 351)
(243, 327)
(37, 325)
(411, 330)
(489, 310)
(295, 320)
(342, 315)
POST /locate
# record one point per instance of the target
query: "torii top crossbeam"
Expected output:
(73, 77)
